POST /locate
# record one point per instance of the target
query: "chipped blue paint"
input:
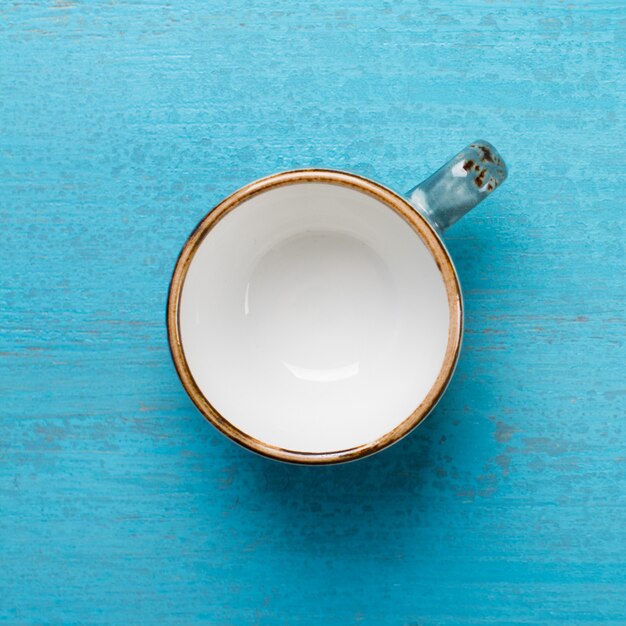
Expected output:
(122, 123)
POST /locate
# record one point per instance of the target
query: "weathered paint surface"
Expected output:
(121, 124)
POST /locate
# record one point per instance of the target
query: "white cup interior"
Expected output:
(314, 318)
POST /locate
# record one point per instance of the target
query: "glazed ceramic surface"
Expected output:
(314, 317)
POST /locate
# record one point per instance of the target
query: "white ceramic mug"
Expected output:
(315, 316)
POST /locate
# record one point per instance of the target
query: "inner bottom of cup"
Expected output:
(314, 318)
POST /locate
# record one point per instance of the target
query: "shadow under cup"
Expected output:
(314, 316)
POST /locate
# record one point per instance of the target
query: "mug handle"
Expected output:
(458, 186)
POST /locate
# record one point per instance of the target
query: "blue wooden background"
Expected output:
(121, 124)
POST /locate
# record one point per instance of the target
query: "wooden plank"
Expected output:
(121, 124)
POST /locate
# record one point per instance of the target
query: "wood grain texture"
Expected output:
(121, 124)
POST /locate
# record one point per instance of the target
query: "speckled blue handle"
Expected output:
(459, 185)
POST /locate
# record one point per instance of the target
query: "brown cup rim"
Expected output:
(419, 224)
